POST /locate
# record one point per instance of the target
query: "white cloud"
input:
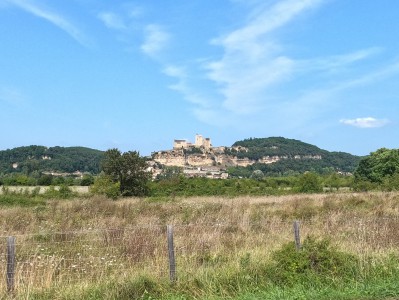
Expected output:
(368, 122)
(52, 17)
(266, 21)
(256, 75)
(182, 86)
(155, 40)
(112, 20)
(253, 61)
(335, 63)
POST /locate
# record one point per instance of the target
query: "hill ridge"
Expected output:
(273, 155)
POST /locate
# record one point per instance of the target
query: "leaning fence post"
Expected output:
(10, 263)
(297, 235)
(171, 252)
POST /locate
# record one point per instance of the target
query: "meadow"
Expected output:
(91, 247)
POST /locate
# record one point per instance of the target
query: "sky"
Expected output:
(135, 75)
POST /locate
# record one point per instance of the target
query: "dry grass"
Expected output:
(91, 240)
(43, 189)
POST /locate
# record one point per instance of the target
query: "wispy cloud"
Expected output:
(52, 17)
(182, 86)
(155, 40)
(253, 61)
(336, 63)
(112, 20)
(129, 27)
(256, 73)
(368, 122)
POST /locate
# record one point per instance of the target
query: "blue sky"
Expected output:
(136, 75)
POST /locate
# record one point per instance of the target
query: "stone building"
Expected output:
(181, 144)
(200, 141)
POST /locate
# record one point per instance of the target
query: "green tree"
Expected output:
(333, 181)
(378, 165)
(391, 183)
(309, 183)
(129, 169)
(45, 179)
(87, 180)
(257, 175)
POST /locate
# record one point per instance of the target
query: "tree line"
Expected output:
(127, 174)
(34, 160)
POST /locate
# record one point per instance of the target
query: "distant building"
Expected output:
(181, 144)
(200, 141)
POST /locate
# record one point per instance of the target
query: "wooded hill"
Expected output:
(54, 159)
(40, 159)
(290, 149)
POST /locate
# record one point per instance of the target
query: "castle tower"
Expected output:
(207, 143)
(199, 140)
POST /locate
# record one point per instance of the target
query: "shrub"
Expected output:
(87, 180)
(46, 179)
(309, 183)
(316, 259)
(391, 183)
(103, 185)
(63, 192)
(364, 186)
(257, 175)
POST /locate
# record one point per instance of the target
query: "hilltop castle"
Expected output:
(200, 142)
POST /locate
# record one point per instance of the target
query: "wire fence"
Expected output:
(48, 259)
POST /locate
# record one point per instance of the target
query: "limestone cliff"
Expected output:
(216, 157)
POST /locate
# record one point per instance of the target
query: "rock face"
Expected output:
(281, 154)
(215, 157)
(170, 158)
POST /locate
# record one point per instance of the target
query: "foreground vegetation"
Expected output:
(236, 243)
(237, 248)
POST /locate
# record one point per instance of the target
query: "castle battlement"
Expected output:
(200, 142)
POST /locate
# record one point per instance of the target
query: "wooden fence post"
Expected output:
(10, 263)
(297, 235)
(171, 252)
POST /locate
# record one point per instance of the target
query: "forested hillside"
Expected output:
(294, 157)
(298, 156)
(55, 159)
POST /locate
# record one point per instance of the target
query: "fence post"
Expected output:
(297, 235)
(171, 252)
(10, 263)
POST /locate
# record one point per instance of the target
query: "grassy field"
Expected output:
(226, 248)
(43, 189)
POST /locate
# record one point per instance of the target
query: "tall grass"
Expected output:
(94, 248)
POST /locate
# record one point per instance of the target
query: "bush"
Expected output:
(391, 183)
(103, 185)
(87, 180)
(63, 192)
(257, 175)
(309, 183)
(18, 179)
(364, 186)
(316, 259)
(46, 179)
